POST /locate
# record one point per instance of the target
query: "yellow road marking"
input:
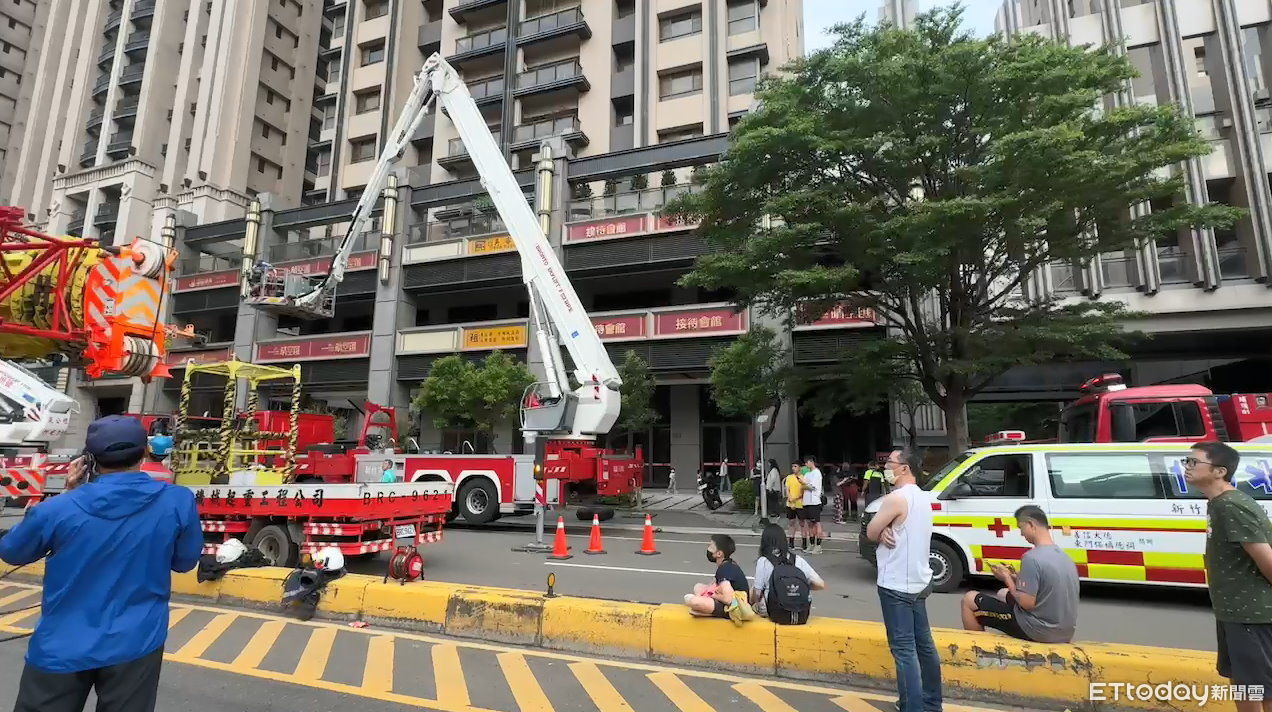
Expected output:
(314, 660)
(17, 616)
(258, 647)
(679, 693)
(176, 615)
(598, 687)
(15, 597)
(525, 689)
(377, 673)
(204, 639)
(851, 703)
(448, 675)
(763, 697)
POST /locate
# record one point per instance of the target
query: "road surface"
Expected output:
(238, 660)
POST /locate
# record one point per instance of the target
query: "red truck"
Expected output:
(1110, 412)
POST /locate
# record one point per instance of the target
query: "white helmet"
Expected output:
(229, 551)
(329, 558)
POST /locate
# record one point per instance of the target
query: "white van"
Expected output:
(1123, 512)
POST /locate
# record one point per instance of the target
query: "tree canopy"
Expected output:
(930, 175)
(637, 395)
(461, 394)
(751, 375)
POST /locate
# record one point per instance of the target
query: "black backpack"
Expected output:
(789, 597)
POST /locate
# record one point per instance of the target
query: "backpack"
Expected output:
(789, 597)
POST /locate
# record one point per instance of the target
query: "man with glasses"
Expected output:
(1238, 569)
(903, 529)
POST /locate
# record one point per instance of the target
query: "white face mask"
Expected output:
(890, 476)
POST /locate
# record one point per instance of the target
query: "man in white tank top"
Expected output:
(903, 529)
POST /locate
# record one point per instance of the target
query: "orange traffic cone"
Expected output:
(594, 545)
(647, 547)
(560, 549)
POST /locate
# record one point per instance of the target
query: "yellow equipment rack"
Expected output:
(208, 456)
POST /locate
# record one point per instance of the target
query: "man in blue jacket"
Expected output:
(111, 543)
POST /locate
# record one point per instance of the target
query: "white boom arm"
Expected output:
(32, 413)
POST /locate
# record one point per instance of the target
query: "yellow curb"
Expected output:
(591, 625)
(417, 606)
(504, 616)
(676, 634)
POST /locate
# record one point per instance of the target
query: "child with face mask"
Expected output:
(727, 597)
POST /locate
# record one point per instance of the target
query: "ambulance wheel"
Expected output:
(478, 502)
(948, 570)
(276, 546)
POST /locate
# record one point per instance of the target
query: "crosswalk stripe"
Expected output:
(258, 647)
(525, 689)
(679, 693)
(763, 697)
(204, 639)
(176, 615)
(15, 597)
(18, 616)
(377, 673)
(448, 675)
(598, 687)
(850, 703)
(313, 662)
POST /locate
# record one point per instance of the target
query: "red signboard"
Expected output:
(609, 227)
(843, 315)
(319, 265)
(619, 327)
(178, 359)
(315, 349)
(670, 222)
(693, 322)
(210, 280)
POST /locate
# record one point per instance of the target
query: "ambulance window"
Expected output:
(1171, 471)
(1000, 476)
(1100, 476)
(1254, 474)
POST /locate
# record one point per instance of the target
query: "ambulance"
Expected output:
(1122, 511)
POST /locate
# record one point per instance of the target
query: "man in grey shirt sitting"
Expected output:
(1041, 602)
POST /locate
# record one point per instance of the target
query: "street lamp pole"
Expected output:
(760, 420)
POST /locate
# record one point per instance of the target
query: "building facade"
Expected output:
(22, 27)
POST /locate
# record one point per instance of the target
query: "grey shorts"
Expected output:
(1245, 652)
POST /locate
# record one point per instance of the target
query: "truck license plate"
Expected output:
(402, 531)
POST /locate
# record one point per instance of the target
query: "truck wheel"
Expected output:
(948, 570)
(276, 546)
(603, 513)
(478, 502)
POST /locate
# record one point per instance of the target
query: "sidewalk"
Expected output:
(683, 512)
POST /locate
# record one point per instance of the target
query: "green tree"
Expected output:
(751, 375)
(668, 179)
(461, 394)
(637, 394)
(928, 174)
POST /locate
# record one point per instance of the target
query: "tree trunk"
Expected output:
(912, 432)
(956, 432)
(771, 425)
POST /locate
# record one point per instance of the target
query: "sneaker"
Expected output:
(817, 549)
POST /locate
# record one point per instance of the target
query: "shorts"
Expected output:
(792, 513)
(1245, 652)
(720, 611)
(811, 513)
(992, 612)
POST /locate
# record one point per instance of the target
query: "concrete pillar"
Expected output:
(254, 324)
(686, 431)
(393, 309)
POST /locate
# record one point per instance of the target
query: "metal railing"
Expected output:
(108, 52)
(493, 86)
(1232, 262)
(481, 40)
(101, 84)
(1064, 277)
(625, 203)
(131, 73)
(142, 8)
(321, 247)
(546, 23)
(137, 40)
(107, 212)
(560, 71)
(1117, 270)
(206, 263)
(1170, 265)
(472, 226)
(127, 107)
(548, 127)
(456, 148)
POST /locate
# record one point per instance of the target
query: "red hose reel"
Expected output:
(405, 565)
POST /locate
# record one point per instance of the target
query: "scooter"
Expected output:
(709, 488)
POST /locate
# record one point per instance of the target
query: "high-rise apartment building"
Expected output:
(22, 25)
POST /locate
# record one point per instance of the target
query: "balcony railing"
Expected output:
(136, 41)
(560, 126)
(142, 9)
(108, 53)
(102, 84)
(463, 7)
(476, 225)
(76, 226)
(1064, 277)
(108, 213)
(550, 74)
(127, 107)
(95, 119)
(559, 20)
(113, 20)
(1170, 265)
(456, 148)
(626, 203)
(132, 74)
(493, 87)
(1117, 270)
(206, 263)
(1232, 262)
(321, 247)
(481, 40)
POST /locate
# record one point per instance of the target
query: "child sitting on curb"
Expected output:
(727, 596)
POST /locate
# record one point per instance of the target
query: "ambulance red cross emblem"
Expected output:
(998, 528)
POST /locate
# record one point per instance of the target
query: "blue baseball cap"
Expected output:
(160, 445)
(116, 440)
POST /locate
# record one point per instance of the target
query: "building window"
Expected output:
(338, 24)
(744, 16)
(624, 8)
(377, 8)
(682, 83)
(264, 130)
(743, 74)
(680, 133)
(682, 25)
(366, 101)
(362, 149)
(372, 52)
(624, 111)
(324, 164)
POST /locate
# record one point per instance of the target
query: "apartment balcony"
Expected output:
(488, 91)
(203, 264)
(557, 24)
(631, 202)
(142, 12)
(552, 77)
(132, 75)
(113, 20)
(530, 135)
(464, 8)
(335, 8)
(126, 109)
(429, 38)
(426, 130)
(480, 44)
(120, 144)
(89, 156)
(473, 225)
(107, 56)
(95, 121)
(137, 42)
(322, 247)
(76, 226)
(102, 84)
(106, 215)
(456, 155)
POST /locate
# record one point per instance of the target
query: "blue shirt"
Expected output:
(111, 546)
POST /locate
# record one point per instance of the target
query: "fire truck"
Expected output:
(70, 297)
(561, 416)
(1110, 412)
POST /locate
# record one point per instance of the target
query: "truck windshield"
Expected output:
(941, 473)
(1077, 424)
